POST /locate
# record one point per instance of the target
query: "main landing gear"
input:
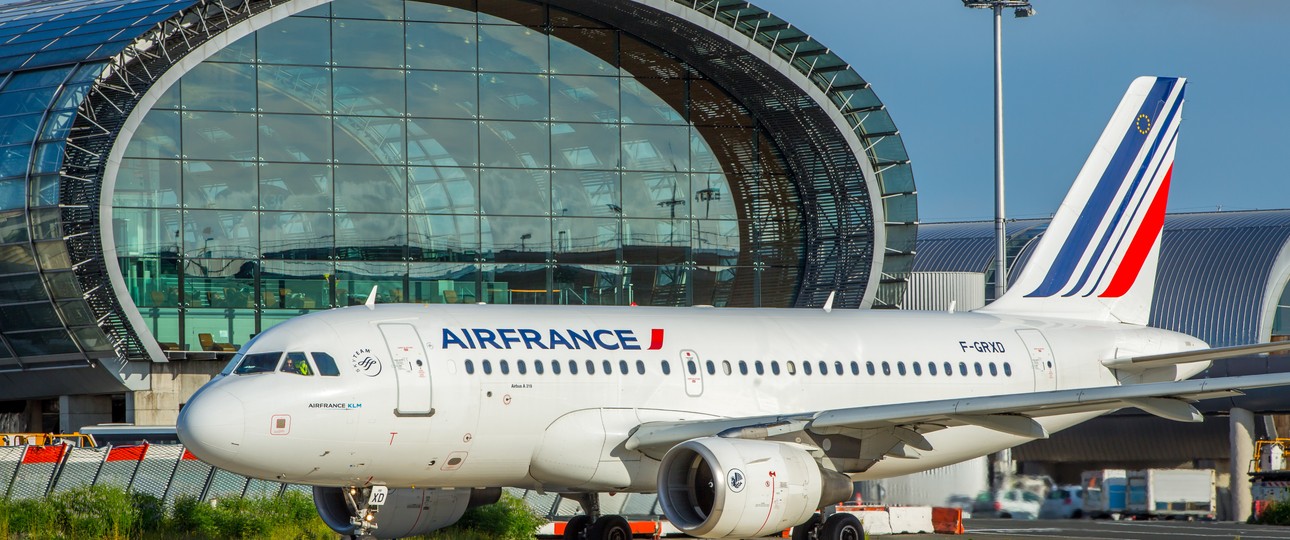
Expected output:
(839, 526)
(590, 525)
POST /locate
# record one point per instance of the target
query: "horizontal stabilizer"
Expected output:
(1137, 363)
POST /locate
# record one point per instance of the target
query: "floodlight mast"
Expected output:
(1021, 8)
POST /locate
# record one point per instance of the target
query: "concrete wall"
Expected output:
(75, 412)
(172, 383)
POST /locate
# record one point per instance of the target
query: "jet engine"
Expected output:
(406, 512)
(713, 487)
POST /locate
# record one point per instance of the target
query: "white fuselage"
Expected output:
(501, 420)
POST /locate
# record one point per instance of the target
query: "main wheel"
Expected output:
(807, 531)
(577, 524)
(610, 528)
(842, 526)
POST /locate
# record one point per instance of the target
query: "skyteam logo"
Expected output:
(736, 480)
(553, 338)
(1118, 227)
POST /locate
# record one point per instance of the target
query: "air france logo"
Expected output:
(528, 338)
(365, 362)
(735, 480)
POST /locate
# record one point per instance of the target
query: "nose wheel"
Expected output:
(364, 503)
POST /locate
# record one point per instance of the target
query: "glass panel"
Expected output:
(35, 79)
(515, 284)
(585, 146)
(295, 89)
(46, 224)
(164, 324)
(19, 129)
(44, 190)
(219, 283)
(716, 242)
(371, 237)
(712, 106)
(13, 193)
(92, 339)
(295, 40)
(713, 285)
(588, 284)
(62, 285)
(441, 46)
(368, 9)
(443, 142)
(370, 189)
(295, 137)
(58, 124)
(221, 234)
(296, 235)
(16, 258)
(511, 96)
(242, 50)
(13, 160)
(368, 140)
(657, 285)
(585, 193)
(712, 197)
(140, 232)
(49, 158)
(584, 99)
(76, 313)
(442, 10)
(220, 87)
(21, 288)
(13, 224)
(514, 192)
(29, 317)
(224, 329)
(514, 144)
(368, 43)
(443, 190)
(156, 137)
(295, 187)
(28, 101)
(219, 135)
(42, 343)
(443, 238)
(722, 149)
(358, 278)
(656, 148)
(518, 49)
(656, 241)
(641, 59)
(442, 94)
(584, 51)
(295, 285)
(516, 239)
(656, 194)
(588, 240)
(653, 101)
(219, 184)
(169, 99)
(442, 283)
(368, 92)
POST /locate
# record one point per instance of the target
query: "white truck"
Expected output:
(1171, 493)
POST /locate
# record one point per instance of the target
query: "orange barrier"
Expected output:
(947, 520)
(639, 528)
(1259, 507)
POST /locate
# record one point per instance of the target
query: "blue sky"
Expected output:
(1064, 71)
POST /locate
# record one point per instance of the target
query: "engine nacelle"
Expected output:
(406, 512)
(720, 488)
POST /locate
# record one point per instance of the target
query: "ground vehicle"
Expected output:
(1172, 493)
(1063, 502)
(1007, 504)
(1105, 493)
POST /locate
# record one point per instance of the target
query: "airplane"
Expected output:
(746, 422)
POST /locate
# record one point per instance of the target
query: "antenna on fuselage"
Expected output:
(828, 304)
(371, 298)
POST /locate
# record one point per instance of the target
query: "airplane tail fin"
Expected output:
(1097, 260)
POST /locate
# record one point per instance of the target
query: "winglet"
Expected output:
(828, 304)
(371, 298)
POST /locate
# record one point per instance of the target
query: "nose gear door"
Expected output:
(411, 368)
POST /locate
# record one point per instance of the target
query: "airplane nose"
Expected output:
(212, 425)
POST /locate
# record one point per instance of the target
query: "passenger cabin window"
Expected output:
(689, 365)
(622, 367)
(774, 367)
(900, 368)
(931, 368)
(712, 368)
(488, 367)
(297, 364)
(537, 367)
(470, 367)
(886, 368)
(258, 363)
(667, 368)
(1007, 369)
(791, 367)
(725, 367)
(855, 368)
(326, 364)
(963, 369)
(608, 368)
(806, 368)
(573, 367)
(949, 369)
(555, 367)
(868, 366)
(994, 371)
(757, 367)
(640, 367)
(519, 366)
(506, 368)
(977, 367)
(591, 367)
(918, 368)
(743, 367)
(824, 368)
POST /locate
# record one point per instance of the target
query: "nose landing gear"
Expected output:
(363, 505)
(593, 526)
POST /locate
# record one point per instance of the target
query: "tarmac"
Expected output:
(1085, 529)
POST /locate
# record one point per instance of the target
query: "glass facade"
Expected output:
(450, 152)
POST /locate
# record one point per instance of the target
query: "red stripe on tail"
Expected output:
(1142, 243)
(656, 339)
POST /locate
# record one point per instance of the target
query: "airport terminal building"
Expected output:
(178, 175)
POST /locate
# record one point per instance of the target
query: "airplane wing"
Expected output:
(896, 428)
(1138, 363)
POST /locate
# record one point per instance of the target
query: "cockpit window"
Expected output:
(297, 364)
(326, 364)
(232, 364)
(258, 363)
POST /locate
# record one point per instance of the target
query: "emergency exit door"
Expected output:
(411, 368)
(693, 373)
(1041, 359)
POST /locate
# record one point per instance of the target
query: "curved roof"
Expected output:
(42, 33)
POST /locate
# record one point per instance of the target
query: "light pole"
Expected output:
(1021, 8)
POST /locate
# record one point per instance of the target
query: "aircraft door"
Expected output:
(1041, 359)
(411, 368)
(692, 370)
